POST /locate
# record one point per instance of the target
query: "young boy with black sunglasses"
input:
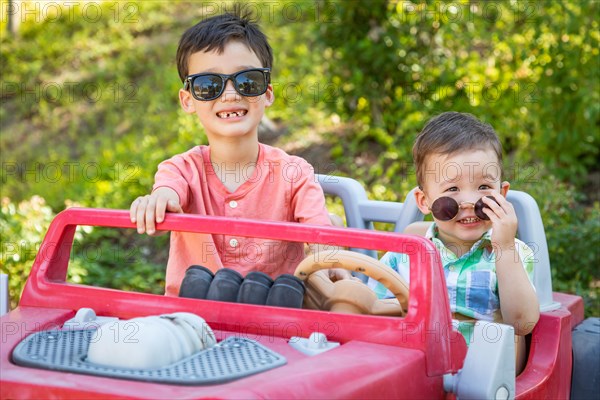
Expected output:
(225, 64)
(489, 273)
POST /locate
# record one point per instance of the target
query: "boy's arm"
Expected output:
(169, 194)
(308, 199)
(518, 300)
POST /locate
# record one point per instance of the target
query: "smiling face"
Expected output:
(466, 177)
(231, 116)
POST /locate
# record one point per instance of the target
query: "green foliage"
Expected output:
(575, 257)
(91, 114)
(89, 108)
(573, 237)
(108, 258)
(23, 227)
(121, 259)
(529, 68)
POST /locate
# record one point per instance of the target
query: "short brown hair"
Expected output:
(216, 32)
(452, 132)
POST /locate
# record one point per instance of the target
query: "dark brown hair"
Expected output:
(216, 32)
(452, 132)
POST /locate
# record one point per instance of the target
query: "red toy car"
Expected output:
(415, 356)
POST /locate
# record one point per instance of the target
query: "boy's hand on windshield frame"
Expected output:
(146, 211)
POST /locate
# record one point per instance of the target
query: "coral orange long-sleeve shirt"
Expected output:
(280, 188)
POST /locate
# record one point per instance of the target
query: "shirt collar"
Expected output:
(484, 241)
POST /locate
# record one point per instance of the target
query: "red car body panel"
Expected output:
(379, 357)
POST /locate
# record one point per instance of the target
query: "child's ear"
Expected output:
(504, 186)
(269, 96)
(187, 101)
(421, 201)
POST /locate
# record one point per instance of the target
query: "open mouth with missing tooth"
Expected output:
(231, 114)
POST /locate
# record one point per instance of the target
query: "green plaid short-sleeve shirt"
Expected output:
(470, 279)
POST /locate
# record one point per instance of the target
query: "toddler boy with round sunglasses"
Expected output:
(225, 63)
(489, 273)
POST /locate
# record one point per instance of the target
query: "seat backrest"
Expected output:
(362, 212)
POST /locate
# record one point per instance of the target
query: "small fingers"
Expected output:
(150, 215)
(503, 217)
(337, 274)
(147, 211)
(161, 206)
(492, 208)
(133, 210)
(500, 206)
(141, 213)
(174, 207)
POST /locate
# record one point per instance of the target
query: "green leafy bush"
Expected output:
(122, 259)
(354, 83)
(573, 237)
(23, 227)
(529, 68)
(119, 259)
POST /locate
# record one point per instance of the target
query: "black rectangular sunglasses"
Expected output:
(209, 86)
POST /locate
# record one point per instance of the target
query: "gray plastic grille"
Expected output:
(231, 359)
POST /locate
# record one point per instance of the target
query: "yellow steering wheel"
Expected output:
(350, 295)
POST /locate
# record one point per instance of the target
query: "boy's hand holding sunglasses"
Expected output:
(504, 220)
